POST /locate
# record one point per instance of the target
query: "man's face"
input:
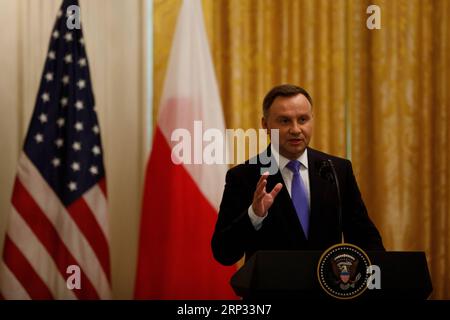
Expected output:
(293, 117)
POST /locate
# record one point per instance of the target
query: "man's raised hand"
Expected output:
(263, 200)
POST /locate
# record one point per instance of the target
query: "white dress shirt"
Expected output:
(287, 175)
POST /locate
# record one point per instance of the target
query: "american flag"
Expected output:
(58, 222)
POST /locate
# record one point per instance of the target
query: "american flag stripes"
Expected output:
(59, 209)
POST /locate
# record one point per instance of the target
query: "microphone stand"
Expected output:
(339, 200)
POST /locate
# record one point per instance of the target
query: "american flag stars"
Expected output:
(81, 84)
(82, 62)
(72, 186)
(93, 170)
(49, 76)
(79, 126)
(51, 55)
(56, 162)
(76, 146)
(43, 118)
(75, 166)
(63, 101)
(45, 97)
(59, 143)
(39, 137)
(79, 105)
(65, 79)
(60, 122)
(68, 36)
(68, 58)
(64, 129)
(96, 150)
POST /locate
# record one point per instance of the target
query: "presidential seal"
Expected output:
(342, 271)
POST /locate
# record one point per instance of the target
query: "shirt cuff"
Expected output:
(256, 220)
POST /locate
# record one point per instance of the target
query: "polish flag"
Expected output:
(181, 201)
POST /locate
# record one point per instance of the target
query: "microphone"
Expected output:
(328, 172)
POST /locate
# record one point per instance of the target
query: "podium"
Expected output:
(293, 275)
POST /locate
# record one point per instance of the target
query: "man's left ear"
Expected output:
(264, 123)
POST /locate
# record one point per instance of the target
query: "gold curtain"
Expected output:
(380, 97)
(399, 101)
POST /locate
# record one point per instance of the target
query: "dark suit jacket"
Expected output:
(234, 234)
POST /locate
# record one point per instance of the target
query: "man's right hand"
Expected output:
(263, 200)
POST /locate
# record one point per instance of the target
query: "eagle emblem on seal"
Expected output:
(345, 268)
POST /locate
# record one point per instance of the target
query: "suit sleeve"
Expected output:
(233, 229)
(358, 227)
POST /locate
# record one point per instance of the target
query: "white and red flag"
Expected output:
(181, 201)
(56, 244)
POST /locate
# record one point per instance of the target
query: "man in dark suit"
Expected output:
(297, 207)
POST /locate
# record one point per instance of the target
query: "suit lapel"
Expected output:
(319, 190)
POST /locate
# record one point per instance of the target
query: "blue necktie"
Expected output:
(299, 196)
